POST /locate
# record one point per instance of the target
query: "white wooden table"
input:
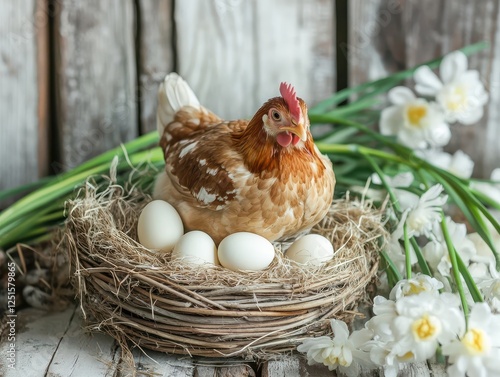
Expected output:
(55, 345)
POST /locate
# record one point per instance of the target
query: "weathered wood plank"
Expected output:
(491, 151)
(235, 53)
(38, 336)
(376, 40)
(158, 364)
(96, 77)
(296, 366)
(156, 56)
(438, 370)
(24, 91)
(285, 367)
(390, 35)
(80, 354)
(240, 370)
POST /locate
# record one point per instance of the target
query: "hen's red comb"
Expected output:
(288, 93)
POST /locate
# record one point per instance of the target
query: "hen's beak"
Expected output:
(296, 129)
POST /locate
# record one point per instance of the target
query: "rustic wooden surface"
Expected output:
(241, 50)
(95, 64)
(23, 91)
(55, 344)
(390, 35)
(155, 56)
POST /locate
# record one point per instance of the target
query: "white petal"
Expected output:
(391, 120)
(400, 95)
(427, 83)
(461, 165)
(479, 314)
(402, 179)
(470, 116)
(495, 175)
(432, 193)
(453, 65)
(414, 140)
(360, 337)
(340, 330)
(439, 135)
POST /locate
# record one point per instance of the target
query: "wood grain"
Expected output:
(95, 76)
(55, 344)
(80, 354)
(391, 35)
(38, 337)
(234, 53)
(156, 56)
(23, 92)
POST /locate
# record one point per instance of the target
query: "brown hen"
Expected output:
(264, 176)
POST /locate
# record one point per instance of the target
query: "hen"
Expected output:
(264, 176)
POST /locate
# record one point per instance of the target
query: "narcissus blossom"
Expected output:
(477, 352)
(416, 122)
(344, 351)
(459, 92)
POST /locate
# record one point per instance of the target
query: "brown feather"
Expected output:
(225, 177)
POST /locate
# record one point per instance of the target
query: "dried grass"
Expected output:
(143, 299)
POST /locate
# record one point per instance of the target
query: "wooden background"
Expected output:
(79, 77)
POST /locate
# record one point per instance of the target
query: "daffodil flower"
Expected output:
(344, 351)
(459, 163)
(425, 212)
(416, 122)
(436, 251)
(477, 351)
(460, 92)
(418, 284)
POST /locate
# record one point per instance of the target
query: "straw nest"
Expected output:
(143, 299)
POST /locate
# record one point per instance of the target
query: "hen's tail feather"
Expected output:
(173, 94)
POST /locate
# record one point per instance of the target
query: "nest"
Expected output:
(143, 299)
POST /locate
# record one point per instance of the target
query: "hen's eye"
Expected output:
(276, 115)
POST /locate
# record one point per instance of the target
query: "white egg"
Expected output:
(245, 251)
(311, 249)
(195, 247)
(159, 227)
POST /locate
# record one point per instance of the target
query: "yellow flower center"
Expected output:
(415, 114)
(458, 99)
(407, 356)
(425, 328)
(476, 342)
(414, 289)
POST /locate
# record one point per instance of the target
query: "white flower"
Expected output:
(423, 321)
(416, 122)
(460, 93)
(459, 163)
(418, 284)
(385, 312)
(411, 328)
(436, 252)
(343, 351)
(477, 353)
(426, 212)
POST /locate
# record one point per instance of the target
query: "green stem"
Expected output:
(454, 266)
(47, 194)
(407, 251)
